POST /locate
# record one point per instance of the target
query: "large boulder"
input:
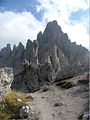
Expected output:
(6, 78)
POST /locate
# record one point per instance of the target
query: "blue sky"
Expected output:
(21, 6)
(23, 19)
(79, 14)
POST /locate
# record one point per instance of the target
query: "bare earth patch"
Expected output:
(60, 104)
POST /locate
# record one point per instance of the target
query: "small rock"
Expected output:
(24, 111)
(86, 116)
(58, 104)
(29, 97)
(19, 100)
(42, 97)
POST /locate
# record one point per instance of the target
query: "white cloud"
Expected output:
(16, 27)
(61, 11)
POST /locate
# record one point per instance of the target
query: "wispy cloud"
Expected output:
(61, 11)
(16, 27)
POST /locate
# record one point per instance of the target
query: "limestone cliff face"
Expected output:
(5, 53)
(27, 53)
(34, 53)
(17, 56)
(55, 57)
(54, 35)
(33, 75)
(44, 59)
(51, 37)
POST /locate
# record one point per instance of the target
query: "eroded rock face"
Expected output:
(52, 56)
(53, 35)
(6, 78)
(31, 77)
(45, 43)
(34, 53)
(4, 55)
(57, 58)
(27, 54)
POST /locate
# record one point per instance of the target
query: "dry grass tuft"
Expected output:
(9, 109)
(84, 80)
(66, 84)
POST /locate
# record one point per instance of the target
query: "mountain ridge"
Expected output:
(50, 58)
(52, 35)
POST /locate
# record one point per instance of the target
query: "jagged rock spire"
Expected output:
(34, 53)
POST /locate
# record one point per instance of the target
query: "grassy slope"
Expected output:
(11, 106)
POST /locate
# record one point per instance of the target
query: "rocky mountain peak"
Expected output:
(14, 47)
(20, 45)
(6, 52)
(53, 30)
(27, 53)
(8, 46)
(52, 25)
(52, 39)
(51, 59)
(39, 34)
(28, 41)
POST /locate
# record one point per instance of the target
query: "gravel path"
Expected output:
(59, 104)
